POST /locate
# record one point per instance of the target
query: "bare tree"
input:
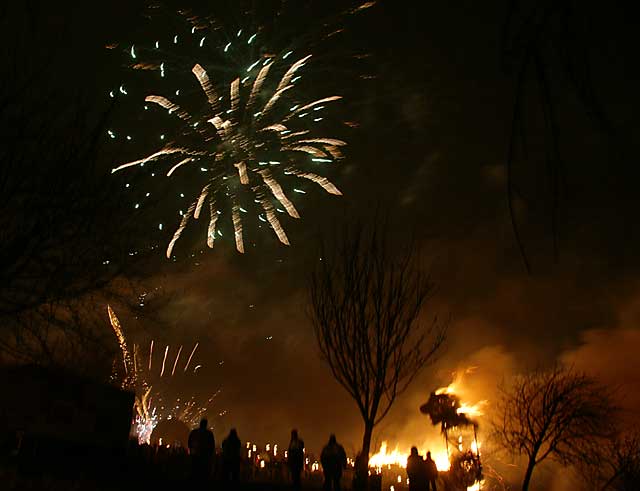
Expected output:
(557, 414)
(365, 303)
(67, 238)
(546, 48)
(618, 465)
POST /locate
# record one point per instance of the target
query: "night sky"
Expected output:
(434, 122)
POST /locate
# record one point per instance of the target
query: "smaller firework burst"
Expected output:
(152, 382)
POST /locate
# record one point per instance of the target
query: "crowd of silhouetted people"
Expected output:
(421, 472)
(201, 446)
(200, 465)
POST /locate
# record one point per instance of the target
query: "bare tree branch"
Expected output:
(67, 239)
(557, 414)
(545, 47)
(365, 302)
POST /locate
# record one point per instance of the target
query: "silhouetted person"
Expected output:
(295, 458)
(202, 448)
(416, 471)
(334, 460)
(231, 448)
(431, 471)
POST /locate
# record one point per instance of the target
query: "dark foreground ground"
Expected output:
(67, 472)
(114, 479)
(10, 482)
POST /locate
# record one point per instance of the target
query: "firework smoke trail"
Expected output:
(145, 420)
(129, 370)
(191, 356)
(164, 360)
(175, 363)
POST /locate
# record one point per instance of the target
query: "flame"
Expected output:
(475, 447)
(472, 410)
(384, 458)
(456, 388)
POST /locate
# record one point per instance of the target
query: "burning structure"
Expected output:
(457, 455)
(445, 410)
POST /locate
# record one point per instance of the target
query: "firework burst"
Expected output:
(248, 133)
(242, 148)
(152, 382)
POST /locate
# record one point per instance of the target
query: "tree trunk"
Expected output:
(366, 442)
(362, 464)
(527, 475)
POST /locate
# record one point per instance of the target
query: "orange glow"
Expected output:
(475, 410)
(386, 458)
(456, 388)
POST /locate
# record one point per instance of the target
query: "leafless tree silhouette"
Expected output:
(557, 414)
(365, 303)
(546, 48)
(618, 466)
(66, 235)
